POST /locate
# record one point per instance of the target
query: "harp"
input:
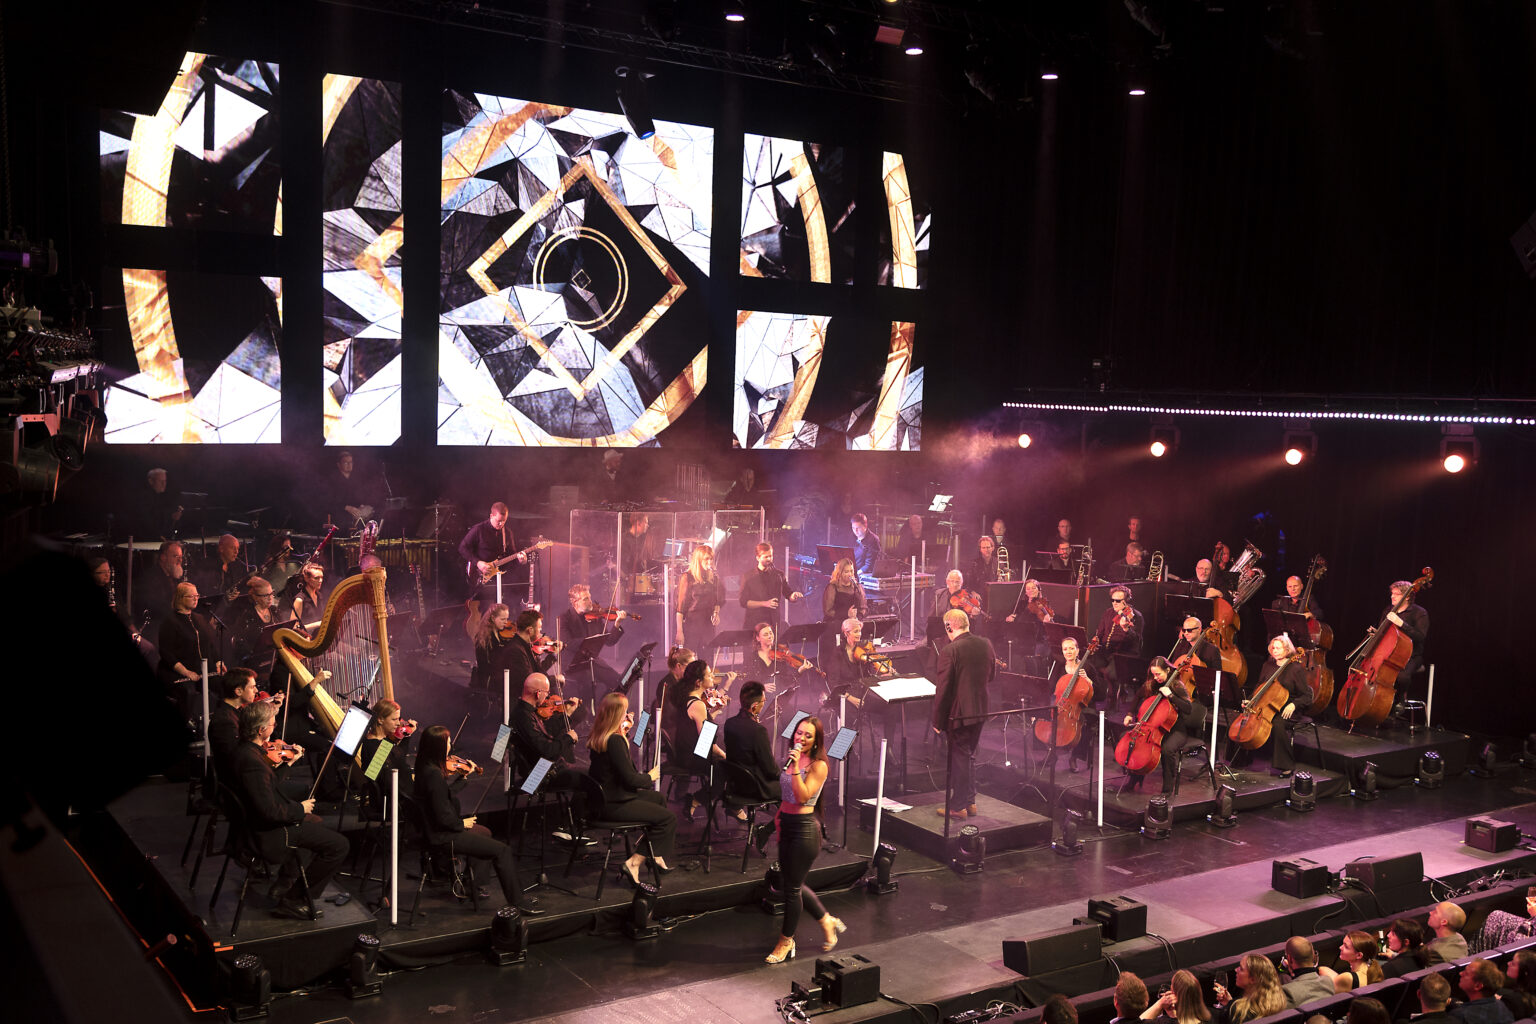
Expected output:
(348, 657)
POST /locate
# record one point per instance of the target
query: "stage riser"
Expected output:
(1005, 826)
(1395, 752)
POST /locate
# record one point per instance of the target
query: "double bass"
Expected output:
(1225, 623)
(1368, 693)
(1319, 675)
(1073, 690)
(1140, 749)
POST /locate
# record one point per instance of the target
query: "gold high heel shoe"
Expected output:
(781, 952)
(832, 926)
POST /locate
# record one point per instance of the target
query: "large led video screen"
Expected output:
(210, 158)
(797, 211)
(904, 232)
(574, 259)
(204, 348)
(363, 261)
(810, 381)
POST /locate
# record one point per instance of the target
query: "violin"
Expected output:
(609, 614)
(965, 601)
(403, 730)
(714, 700)
(544, 645)
(550, 706)
(280, 753)
(1073, 690)
(1041, 609)
(868, 653)
(456, 765)
(1368, 693)
(798, 662)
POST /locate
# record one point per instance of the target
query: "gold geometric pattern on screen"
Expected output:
(898, 201)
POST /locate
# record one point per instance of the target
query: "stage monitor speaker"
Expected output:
(847, 980)
(1300, 877)
(1053, 951)
(1121, 917)
(1492, 835)
(1380, 873)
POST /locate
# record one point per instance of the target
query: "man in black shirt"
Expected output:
(1062, 560)
(866, 545)
(535, 737)
(592, 676)
(155, 587)
(1413, 620)
(1291, 601)
(518, 656)
(747, 745)
(486, 543)
(1121, 629)
(1130, 568)
(762, 590)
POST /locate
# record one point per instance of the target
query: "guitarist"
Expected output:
(482, 546)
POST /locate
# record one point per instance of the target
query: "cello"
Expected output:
(1140, 749)
(1073, 690)
(1368, 693)
(1319, 675)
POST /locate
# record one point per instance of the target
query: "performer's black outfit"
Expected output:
(534, 738)
(866, 552)
(445, 823)
(746, 744)
(184, 639)
(277, 822)
(245, 646)
(764, 585)
(1208, 653)
(910, 545)
(1115, 639)
(1287, 603)
(697, 603)
(966, 666)
(1416, 628)
(223, 737)
(1190, 722)
(517, 655)
(1293, 679)
(835, 604)
(485, 543)
(980, 572)
(588, 679)
(153, 593)
(628, 795)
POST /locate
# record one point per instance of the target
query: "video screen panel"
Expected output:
(810, 381)
(210, 158)
(904, 231)
(574, 260)
(364, 259)
(206, 351)
(797, 207)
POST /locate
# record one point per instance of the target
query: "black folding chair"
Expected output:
(461, 881)
(742, 794)
(589, 807)
(240, 845)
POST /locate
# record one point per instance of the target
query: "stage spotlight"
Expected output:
(362, 977)
(1293, 456)
(642, 923)
(1487, 762)
(28, 462)
(509, 937)
(634, 100)
(1303, 795)
(1365, 785)
(1049, 76)
(1138, 92)
(1068, 845)
(1158, 449)
(1164, 439)
(972, 853)
(1225, 815)
(1298, 442)
(735, 12)
(912, 45)
(1458, 447)
(1157, 819)
(250, 988)
(1431, 770)
(882, 862)
(1025, 440)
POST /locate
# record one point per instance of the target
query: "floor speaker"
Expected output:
(1379, 873)
(1053, 951)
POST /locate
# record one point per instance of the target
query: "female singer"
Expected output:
(1284, 659)
(805, 773)
(683, 718)
(628, 794)
(1260, 984)
(488, 641)
(1161, 678)
(698, 600)
(1358, 953)
(446, 822)
(843, 599)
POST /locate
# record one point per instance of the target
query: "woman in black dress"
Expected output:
(1285, 666)
(629, 794)
(698, 600)
(488, 641)
(683, 719)
(843, 599)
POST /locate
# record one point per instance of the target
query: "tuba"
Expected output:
(1249, 576)
(1155, 568)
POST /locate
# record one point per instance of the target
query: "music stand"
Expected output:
(1056, 632)
(639, 667)
(730, 638)
(1181, 606)
(1292, 624)
(901, 691)
(805, 633)
(1044, 574)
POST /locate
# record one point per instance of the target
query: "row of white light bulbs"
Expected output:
(1520, 421)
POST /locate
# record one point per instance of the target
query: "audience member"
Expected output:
(1058, 1010)
(1501, 926)
(1434, 997)
(1520, 994)
(1359, 956)
(1366, 1010)
(1480, 982)
(1183, 1003)
(1130, 998)
(1299, 961)
(1405, 947)
(1260, 985)
(1445, 920)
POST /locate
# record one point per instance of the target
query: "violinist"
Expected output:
(678, 660)
(682, 718)
(581, 621)
(852, 668)
(280, 823)
(521, 657)
(542, 727)
(1120, 631)
(768, 659)
(955, 594)
(237, 688)
(1163, 681)
(387, 724)
(1037, 611)
(698, 599)
(843, 599)
(1288, 669)
(763, 591)
(445, 820)
(1291, 601)
(490, 637)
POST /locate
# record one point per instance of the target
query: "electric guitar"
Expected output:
(479, 579)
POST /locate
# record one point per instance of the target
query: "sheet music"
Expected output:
(904, 688)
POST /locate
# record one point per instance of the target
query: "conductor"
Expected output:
(966, 666)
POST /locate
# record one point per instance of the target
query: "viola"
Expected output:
(1368, 693)
(1073, 690)
(456, 765)
(965, 601)
(609, 614)
(280, 753)
(1140, 749)
(868, 653)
